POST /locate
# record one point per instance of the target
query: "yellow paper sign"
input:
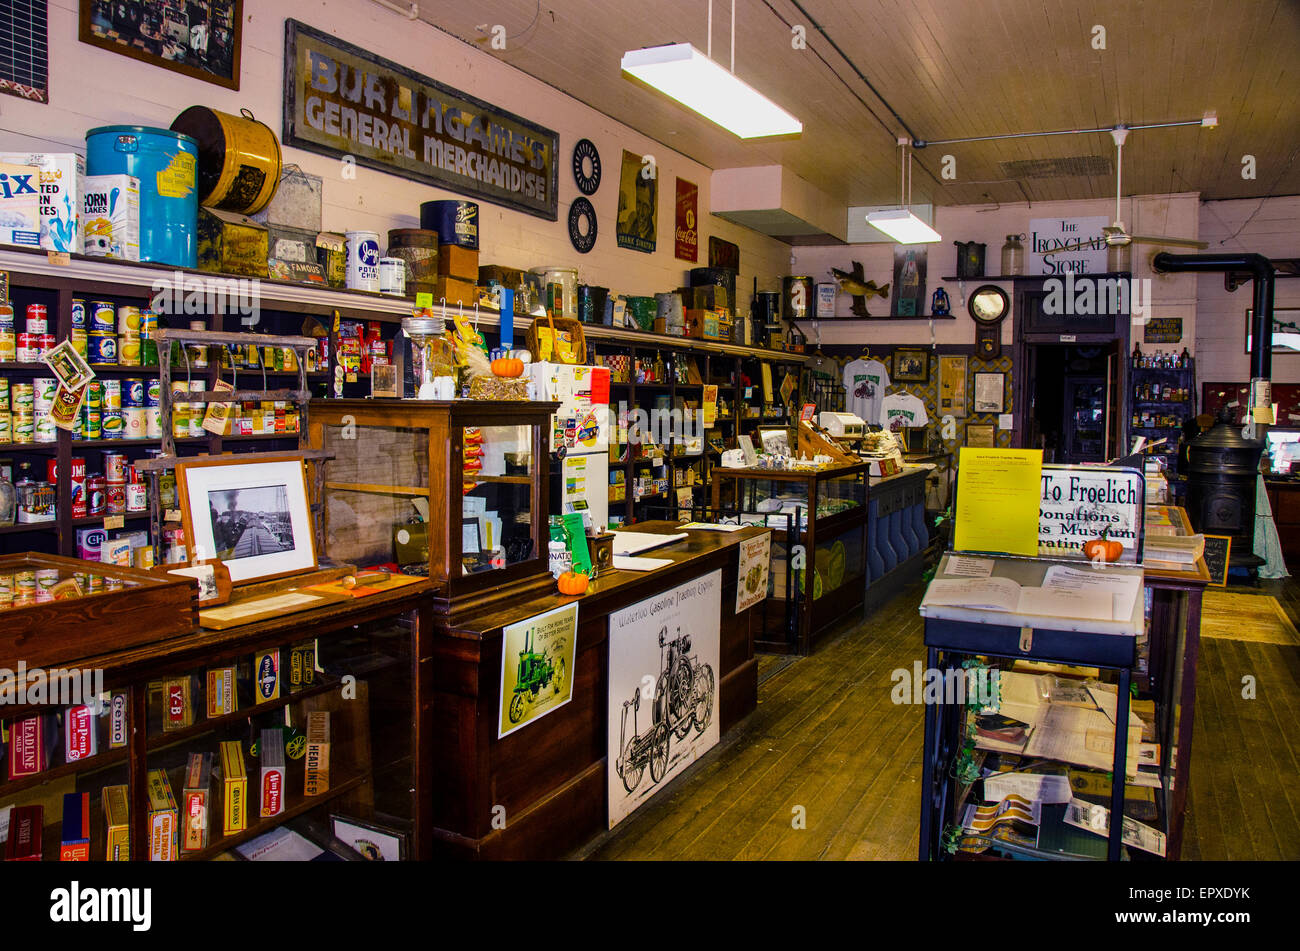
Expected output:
(997, 500)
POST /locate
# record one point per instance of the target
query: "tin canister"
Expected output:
(79, 312)
(38, 319)
(24, 397)
(80, 342)
(115, 466)
(115, 496)
(392, 276)
(24, 586)
(101, 347)
(134, 422)
(46, 344)
(180, 409)
(197, 410)
(46, 579)
(6, 316)
(128, 320)
(140, 557)
(103, 316)
(91, 422)
(363, 260)
(167, 489)
(6, 426)
(43, 389)
(153, 422)
(8, 346)
(23, 426)
(96, 494)
(78, 486)
(132, 392)
(112, 390)
(28, 348)
(94, 394)
(129, 351)
(137, 499)
(6, 590)
(110, 424)
(4, 393)
(153, 392)
(45, 430)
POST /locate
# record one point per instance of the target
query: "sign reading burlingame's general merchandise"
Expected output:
(346, 102)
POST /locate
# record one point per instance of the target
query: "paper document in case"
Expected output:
(998, 494)
(630, 543)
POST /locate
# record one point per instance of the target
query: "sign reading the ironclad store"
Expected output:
(345, 102)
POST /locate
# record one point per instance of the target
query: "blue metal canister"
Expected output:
(166, 163)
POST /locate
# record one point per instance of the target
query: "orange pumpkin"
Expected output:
(1102, 549)
(573, 582)
(507, 367)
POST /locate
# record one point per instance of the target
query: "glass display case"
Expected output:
(818, 566)
(455, 490)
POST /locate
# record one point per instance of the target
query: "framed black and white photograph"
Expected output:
(375, 842)
(199, 38)
(1286, 329)
(251, 516)
(911, 366)
(990, 392)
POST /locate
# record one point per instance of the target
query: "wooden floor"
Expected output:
(828, 747)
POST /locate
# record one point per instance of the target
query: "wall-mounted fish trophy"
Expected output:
(853, 283)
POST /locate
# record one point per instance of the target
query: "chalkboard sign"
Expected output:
(1217, 548)
(1163, 330)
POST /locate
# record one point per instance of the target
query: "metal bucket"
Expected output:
(239, 158)
(166, 164)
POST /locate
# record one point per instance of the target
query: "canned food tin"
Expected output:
(148, 352)
(132, 392)
(110, 424)
(143, 557)
(95, 583)
(115, 494)
(24, 397)
(79, 312)
(392, 276)
(6, 590)
(90, 423)
(8, 346)
(28, 349)
(128, 320)
(4, 392)
(197, 410)
(24, 427)
(101, 347)
(96, 494)
(129, 351)
(137, 499)
(153, 392)
(6, 426)
(6, 316)
(80, 341)
(45, 430)
(103, 316)
(46, 579)
(38, 319)
(47, 343)
(148, 323)
(167, 489)
(115, 466)
(43, 393)
(24, 586)
(153, 422)
(134, 422)
(94, 394)
(78, 487)
(112, 390)
(363, 260)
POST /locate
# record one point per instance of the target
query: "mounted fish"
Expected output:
(853, 283)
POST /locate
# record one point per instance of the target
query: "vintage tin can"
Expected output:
(110, 424)
(91, 423)
(38, 319)
(103, 316)
(6, 590)
(28, 350)
(46, 578)
(133, 390)
(94, 394)
(363, 260)
(115, 466)
(96, 494)
(6, 316)
(8, 346)
(79, 312)
(153, 422)
(78, 486)
(128, 321)
(135, 422)
(101, 348)
(44, 388)
(6, 426)
(153, 392)
(23, 427)
(115, 492)
(25, 586)
(45, 430)
(128, 351)
(79, 340)
(24, 397)
(137, 498)
(112, 394)
(197, 410)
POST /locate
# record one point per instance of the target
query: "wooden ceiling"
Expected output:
(947, 69)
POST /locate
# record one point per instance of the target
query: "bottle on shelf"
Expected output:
(8, 498)
(1184, 359)
(1137, 355)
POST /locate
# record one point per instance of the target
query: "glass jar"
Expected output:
(8, 497)
(1013, 255)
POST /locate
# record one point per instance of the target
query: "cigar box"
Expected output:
(25, 828)
(453, 290)
(302, 666)
(117, 819)
(317, 768)
(271, 755)
(234, 788)
(117, 720)
(460, 263)
(79, 739)
(75, 844)
(231, 244)
(196, 796)
(162, 817)
(28, 750)
(266, 675)
(178, 713)
(221, 696)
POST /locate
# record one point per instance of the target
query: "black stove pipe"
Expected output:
(1261, 271)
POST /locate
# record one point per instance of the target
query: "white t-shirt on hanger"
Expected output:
(902, 410)
(865, 382)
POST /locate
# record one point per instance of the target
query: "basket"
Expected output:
(540, 343)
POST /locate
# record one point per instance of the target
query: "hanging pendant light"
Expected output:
(902, 224)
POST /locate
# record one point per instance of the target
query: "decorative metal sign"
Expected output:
(343, 101)
(1078, 503)
(1163, 330)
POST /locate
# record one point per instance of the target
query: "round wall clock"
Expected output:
(582, 213)
(988, 306)
(586, 166)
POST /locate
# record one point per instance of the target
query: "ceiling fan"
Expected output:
(1115, 235)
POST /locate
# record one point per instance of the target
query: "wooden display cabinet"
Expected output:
(401, 488)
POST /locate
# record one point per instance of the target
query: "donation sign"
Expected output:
(1078, 502)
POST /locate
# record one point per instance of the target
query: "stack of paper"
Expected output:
(1174, 551)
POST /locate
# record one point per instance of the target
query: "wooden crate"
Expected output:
(149, 607)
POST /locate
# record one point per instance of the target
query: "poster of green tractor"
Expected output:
(537, 658)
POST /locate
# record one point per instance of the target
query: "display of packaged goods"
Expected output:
(20, 205)
(74, 845)
(316, 770)
(220, 695)
(266, 675)
(29, 753)
(117, 821)
(79, 737)
(162, 817)
(271, 757)
(26, 824)
(196, 798)
(458, 262)
(178, 711)
(302, 666)
(110, 216)
(117, 735)
(231, 244)
(234, 788)
(61, 185)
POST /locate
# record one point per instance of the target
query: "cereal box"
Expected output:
(61, 185)
(20, 205)
(110, 216)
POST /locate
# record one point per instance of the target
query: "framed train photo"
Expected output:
(199, 38)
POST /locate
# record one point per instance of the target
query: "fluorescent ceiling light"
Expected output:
(698, 83)
(903, 226)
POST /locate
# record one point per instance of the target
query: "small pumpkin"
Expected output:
(573, 582)
(509, 367)
(1102, 548)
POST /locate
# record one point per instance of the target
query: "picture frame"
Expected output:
(981, 436)
(952, 386)
(1286, 329)
(376, 842)
(911, 365)
(990, 392)
(161, 33)
(253, 516)
(471, 536)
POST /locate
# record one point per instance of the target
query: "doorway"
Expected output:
(1074, 399)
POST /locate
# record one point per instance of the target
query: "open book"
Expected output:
(1066, 592)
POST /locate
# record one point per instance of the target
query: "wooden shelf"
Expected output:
(1034, 277)
(378, 489)
(50, 526)
(508, 480)
(87, 765)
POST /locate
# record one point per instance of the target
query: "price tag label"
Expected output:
(172, 515)
(61, 258)
(423, 300)
(113, 521)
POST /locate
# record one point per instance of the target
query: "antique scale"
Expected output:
(988, 307)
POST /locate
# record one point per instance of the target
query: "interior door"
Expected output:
(1085, 423)
(1115, 410)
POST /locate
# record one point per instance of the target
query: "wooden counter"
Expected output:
(541, 791)
(1284, 499)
